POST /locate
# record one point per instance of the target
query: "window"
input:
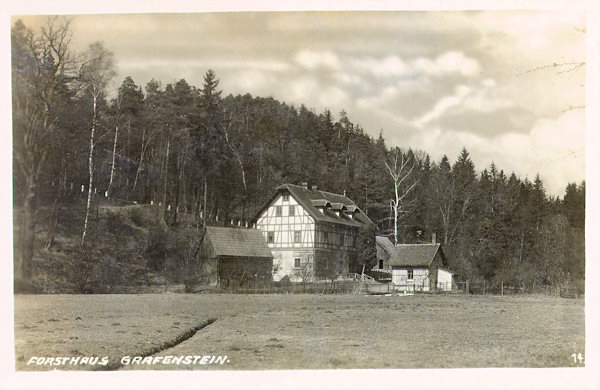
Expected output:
(286, 197)
(326, 237)
(410, 274)
(292, 211)
(297, 262)
(380, 263)
(297, 236)
(278, 211)
(270, 237)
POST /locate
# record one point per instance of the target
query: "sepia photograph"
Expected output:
(393, 192)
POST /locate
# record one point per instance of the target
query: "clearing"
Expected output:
(258, 332)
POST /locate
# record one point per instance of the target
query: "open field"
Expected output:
(301, 331)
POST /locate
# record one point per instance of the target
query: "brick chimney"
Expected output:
(433, 238)
(314, 188)
(305, 185)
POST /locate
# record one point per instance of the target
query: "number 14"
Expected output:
(577, 357)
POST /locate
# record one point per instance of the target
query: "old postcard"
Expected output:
(235, 194)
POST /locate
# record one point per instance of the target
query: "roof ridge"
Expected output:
(317, 190)
(422, 244)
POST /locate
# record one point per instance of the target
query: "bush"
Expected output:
(141, 216)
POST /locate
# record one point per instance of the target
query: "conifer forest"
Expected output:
(113, 187)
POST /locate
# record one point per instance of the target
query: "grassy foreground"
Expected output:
(298, 331)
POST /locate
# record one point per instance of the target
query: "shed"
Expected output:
(235, 256)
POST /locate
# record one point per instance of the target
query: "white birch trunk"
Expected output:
(139, 168)
(112, 167)
(91, 173)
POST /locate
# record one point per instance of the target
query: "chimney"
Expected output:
(433, 238)
(305, 185)
(314, 188)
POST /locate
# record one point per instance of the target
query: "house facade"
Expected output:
(311, 233)
(414, 267)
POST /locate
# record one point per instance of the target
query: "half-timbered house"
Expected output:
(312, 233)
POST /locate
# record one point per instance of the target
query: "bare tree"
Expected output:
(95, 74)
(42, 65)
(305, 273)
(114, 151)
(400, 169)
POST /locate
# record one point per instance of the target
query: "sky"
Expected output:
(430, 80)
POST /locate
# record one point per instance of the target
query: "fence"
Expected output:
(326, 287)
(356, 286)
(501, 288)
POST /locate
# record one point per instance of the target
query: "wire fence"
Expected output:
(501, 288)
(361, 287)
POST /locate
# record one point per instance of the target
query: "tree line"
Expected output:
(192, 151)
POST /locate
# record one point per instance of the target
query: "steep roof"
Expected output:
(385, 243)
(238, 242)
(310, 199)
(411, 255)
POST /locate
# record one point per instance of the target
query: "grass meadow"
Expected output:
(301, 331)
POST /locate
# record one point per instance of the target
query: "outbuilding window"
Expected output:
(410, 274)
(380, 263)
(270, 237)
(297, 262)
(286, 197)
(297, 236)
(292, 211)
(278, 211)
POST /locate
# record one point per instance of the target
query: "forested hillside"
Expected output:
(192, 155)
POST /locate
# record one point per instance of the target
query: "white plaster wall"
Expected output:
(283, 263)
(420, 279)
(284, 247)
(444, 280)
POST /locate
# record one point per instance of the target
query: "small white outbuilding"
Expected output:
(414, 267)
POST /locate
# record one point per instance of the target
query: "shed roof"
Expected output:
(313, 201)
(410, 255)
(237, 242)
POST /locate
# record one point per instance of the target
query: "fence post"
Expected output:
(502, 287)
(467, 287)
(483, 286)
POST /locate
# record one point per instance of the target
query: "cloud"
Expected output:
(312, 60)
(554, 148)
(443, 105)
(452, 62)
(389, 66)
(259, 82)
(447, 63)
(308, 89)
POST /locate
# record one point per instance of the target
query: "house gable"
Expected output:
(286, 224)
(322, 206)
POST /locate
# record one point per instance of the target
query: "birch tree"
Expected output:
(95, 74)
(400, 169)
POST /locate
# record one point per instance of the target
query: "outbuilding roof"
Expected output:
(410, 255)
(318, 203)
(237, 242)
